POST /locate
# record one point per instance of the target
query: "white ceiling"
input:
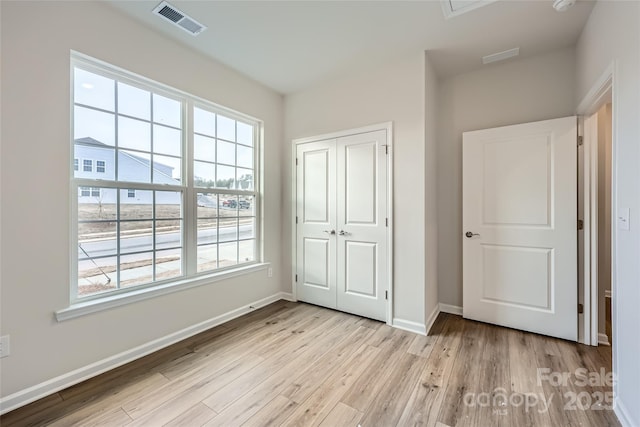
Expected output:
(292, 45)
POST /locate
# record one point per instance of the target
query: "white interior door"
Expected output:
(316, 223)
(362, 235)
(341, 229)
(520, 227)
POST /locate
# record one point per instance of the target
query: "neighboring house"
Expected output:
(95, 160)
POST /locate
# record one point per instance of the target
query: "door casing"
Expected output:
(388, 127)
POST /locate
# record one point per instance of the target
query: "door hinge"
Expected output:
(386, 149)
(296, 220)
(296, 278)
(580, 140)
(580, 308)
(386, 222)
(296, 161)
(580, 224)
(386, 294)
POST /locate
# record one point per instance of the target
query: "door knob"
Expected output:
(343, 233)
(470, 234)
(329, 232)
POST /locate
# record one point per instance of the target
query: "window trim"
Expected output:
(186, 186)
(104, 166)
(84, 166)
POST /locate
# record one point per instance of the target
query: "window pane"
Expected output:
(207, 205)
(92, 208)
(226, 177)
(136, 236)
(168, 205)
(93, 90)
(133, 166)
(204, 174)
(138, 207)
(97, 239)
(166, 111)
(245, 179)
(168, 264)
(167, 141)
(228, 229)
(226, 153)
(246, 206)
(168, 234)
(228, 254)
(97, 275)
(207, 231)
(134, 134)
(136, 269)
(134, 102)
(103, 155)
(228, 206)
(207, 258)
(166, 170)
(245, 157)
(247, 228)
(226, 128)
(93, 127)
(204, 148)
(204, 122)
(246, 249)
(245, 134)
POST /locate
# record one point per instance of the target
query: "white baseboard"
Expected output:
(603, 339)
(408, 325)
(287, 296)
(432, 318)
(61, 382)
(607, 293)
(451, 309)
(623, 415)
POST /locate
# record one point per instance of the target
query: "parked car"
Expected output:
(232, 203)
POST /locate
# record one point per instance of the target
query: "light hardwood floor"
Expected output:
(295, 364)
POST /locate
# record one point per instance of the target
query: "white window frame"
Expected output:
(84, 166)
(190, 276)
(104, 166)
(131, 193)
(76, 164)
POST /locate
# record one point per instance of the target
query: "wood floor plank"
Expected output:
(197, 415)
(295, 364)
(423, 406)
(317, 406)
(343, 416)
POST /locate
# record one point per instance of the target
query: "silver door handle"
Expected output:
(329, 232)
(470, 234)
(344, 233)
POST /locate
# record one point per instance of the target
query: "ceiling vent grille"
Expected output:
(179, 18)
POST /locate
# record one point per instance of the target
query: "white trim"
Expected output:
(622, 413)
(591, 103)
(607, 293)
(386, 126)
(451, 309)
(410, 326)
(110, 301)
(432, 318)
(61, 382)
(603, 339)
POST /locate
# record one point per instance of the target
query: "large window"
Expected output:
(173, 193)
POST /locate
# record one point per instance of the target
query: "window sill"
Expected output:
(83, 308)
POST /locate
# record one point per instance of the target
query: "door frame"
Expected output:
(388, 127)
(588, 292)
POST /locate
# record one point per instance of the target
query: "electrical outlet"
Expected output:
(5, 350)
(270, 272)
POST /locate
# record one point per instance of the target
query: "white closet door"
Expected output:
(316, 239)
(361, 217)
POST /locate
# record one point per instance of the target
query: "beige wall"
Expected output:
(512, 92)
(612, 36)
(35, 270)
(394, 92)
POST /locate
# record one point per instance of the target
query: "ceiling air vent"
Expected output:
(179, 18)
